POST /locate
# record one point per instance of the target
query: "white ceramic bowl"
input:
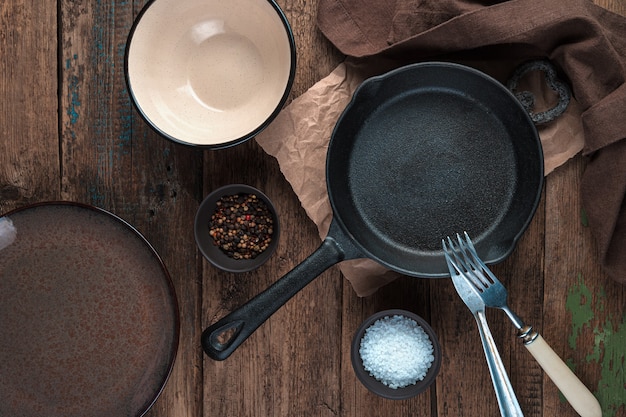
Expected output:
(211, 73)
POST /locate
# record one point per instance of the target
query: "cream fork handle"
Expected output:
(580, 398)
(509, 406)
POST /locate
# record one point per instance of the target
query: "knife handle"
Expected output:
(580, 398)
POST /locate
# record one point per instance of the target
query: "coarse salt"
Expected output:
(396, 351)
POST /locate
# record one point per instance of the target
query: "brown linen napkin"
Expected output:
(587, 43)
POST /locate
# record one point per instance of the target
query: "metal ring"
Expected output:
(527, 98)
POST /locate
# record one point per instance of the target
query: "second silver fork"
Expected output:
(507, 400)
(494, 294)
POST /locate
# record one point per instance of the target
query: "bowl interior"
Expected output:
(210, 72)
(205, 242)
(378, 387)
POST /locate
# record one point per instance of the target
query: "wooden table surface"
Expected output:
(69, 132)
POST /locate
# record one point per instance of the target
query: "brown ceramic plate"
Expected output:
(88, 316)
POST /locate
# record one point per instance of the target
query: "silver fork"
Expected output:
(507, 401)
(494, 294)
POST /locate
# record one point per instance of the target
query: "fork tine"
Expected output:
(470, 264)
(459, 264)
(472, 271)
(475, 269)
(465, 252)
(480, 265)
(462, 263)
(446, 253)
(449, 252)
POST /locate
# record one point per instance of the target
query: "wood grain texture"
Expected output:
(569, 249)
(111, 159)
(29, 150)
(69, 131)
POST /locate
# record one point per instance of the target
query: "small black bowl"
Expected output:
(378, 387)
(205, 241)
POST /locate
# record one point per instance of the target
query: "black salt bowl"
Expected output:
(206, 243)
(378, 387)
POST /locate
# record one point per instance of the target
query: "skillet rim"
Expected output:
(481, 247)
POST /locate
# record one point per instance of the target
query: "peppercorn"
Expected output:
(241, 226)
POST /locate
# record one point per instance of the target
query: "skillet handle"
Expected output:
(222, 338)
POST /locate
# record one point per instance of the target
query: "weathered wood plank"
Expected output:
(96, 118)
(291, 364)
(111, 159)
(523, 276)
(29, 146)
(583, 308)
(584, 314)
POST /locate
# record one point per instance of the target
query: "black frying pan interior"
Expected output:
(421, 155)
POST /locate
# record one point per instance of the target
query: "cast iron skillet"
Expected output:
(422, 152)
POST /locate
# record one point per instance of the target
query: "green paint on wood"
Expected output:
(578, 303)
(609, 349)
(583, 218)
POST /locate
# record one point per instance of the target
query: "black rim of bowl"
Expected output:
(244, 138)
(204, 241)
(378, 387)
